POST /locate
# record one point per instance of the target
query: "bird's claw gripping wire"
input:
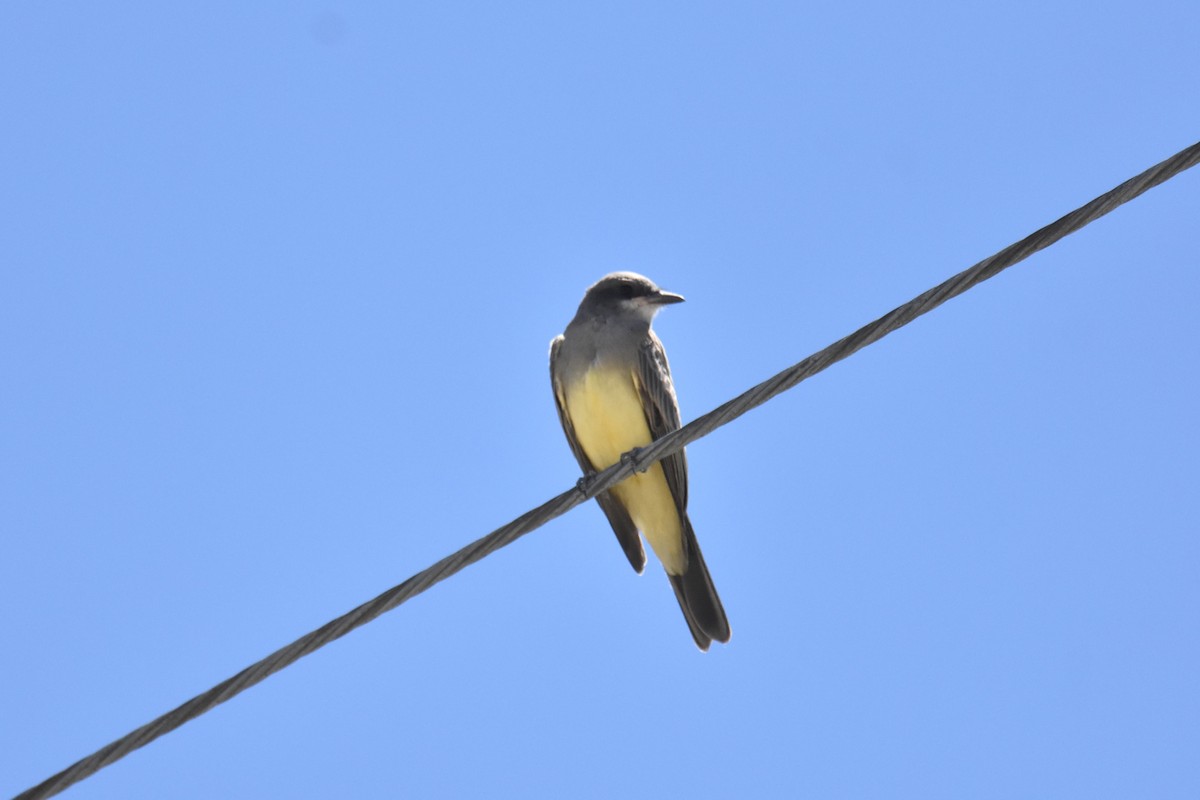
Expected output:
(634, 458)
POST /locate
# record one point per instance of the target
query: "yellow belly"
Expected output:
(607, 415)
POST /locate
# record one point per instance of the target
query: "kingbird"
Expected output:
(614, 393)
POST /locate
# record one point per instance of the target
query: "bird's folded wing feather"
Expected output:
(662, 412)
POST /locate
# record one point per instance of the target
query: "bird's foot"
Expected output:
(583, 484)
(634, 459)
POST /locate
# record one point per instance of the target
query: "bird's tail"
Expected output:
(698, 597)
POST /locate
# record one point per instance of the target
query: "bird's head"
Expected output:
(627, 295)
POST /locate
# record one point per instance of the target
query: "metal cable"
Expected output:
(640, 459)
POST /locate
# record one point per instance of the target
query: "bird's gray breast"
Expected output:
(592, 343)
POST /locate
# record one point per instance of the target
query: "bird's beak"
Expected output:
(661, 298)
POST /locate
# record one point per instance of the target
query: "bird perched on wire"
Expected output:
(613, 389)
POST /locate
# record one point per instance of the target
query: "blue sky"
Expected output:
(279, 283)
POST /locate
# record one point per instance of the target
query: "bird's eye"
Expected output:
(626, 291)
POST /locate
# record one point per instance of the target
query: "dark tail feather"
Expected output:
(698, 597)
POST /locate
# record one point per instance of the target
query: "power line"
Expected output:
(639, 460)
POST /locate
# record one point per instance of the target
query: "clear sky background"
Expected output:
(279, 281)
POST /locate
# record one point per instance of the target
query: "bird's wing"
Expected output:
(653, 380)
(618, 517)
(694, 588)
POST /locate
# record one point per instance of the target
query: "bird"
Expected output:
(614, 393)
